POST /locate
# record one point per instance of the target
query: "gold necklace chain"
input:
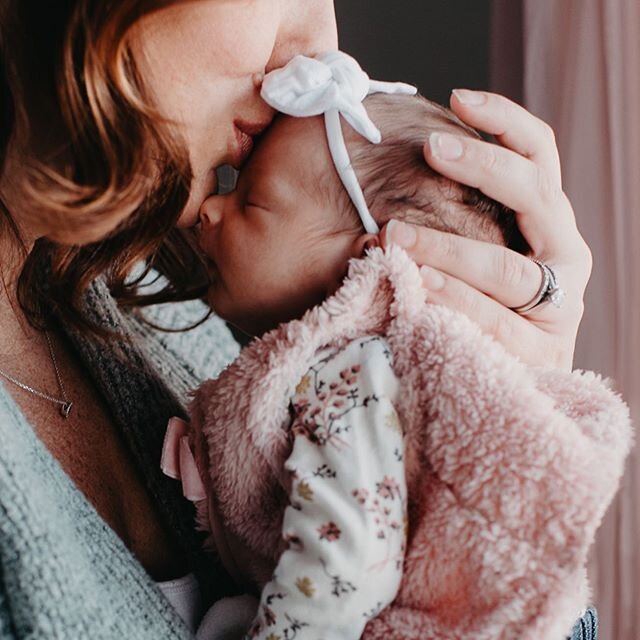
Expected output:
(64, 403)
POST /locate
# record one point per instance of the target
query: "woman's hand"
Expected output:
(484, 280)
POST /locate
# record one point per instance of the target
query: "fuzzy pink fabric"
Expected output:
(509, 469)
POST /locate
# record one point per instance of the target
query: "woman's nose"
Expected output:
(307, 28)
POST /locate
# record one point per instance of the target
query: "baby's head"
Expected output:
(281, 242)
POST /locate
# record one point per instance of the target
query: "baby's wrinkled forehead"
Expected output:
(291, 159)
(294, 144)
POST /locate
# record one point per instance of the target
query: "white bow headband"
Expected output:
(334, 84)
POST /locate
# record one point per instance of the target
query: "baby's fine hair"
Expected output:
(398, 183)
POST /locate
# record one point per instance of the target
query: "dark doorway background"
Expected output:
(437, 45)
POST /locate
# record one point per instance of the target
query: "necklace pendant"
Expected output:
(65, 409)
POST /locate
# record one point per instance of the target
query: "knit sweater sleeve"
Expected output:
(345, 523)
(6, 626)
(206, 349)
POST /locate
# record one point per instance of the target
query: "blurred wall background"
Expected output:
(437, 45)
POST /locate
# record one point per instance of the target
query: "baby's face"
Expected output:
(278, 247)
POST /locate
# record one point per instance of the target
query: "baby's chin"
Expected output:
(217, 302)
(253, 322)
(254, 314)
(231, 312)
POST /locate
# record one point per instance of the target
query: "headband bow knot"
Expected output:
(335, 85)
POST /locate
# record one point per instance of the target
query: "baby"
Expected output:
(373, 464)
(280, 243)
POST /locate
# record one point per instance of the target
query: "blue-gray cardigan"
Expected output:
(63, 572)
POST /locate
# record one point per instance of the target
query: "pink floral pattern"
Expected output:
(388, 525)
(351, 489)
(329, 532)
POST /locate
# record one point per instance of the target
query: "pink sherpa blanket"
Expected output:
(509, 468)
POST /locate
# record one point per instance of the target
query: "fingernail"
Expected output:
(432, 279)
(401, 234)
(472, 98)
(445, 146)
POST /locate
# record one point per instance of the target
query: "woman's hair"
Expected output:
(95, 160)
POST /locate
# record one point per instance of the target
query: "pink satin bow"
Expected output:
(177, 460)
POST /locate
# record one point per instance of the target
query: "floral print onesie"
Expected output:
(346, 522)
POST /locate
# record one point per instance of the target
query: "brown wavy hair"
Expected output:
(96, 160)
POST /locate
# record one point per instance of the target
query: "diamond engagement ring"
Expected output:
(549, 291)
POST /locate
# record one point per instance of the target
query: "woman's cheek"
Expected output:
(245, 35)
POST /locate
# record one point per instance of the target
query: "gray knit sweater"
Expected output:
(63, 572)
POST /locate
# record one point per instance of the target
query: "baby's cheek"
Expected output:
(217, 302)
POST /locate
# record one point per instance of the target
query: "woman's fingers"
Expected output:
(505, 275)
(524, 174)
(517, 334)
(512, 125)
(544, 212)
(484, 281)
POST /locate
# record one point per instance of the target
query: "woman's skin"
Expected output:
(203, 62)
(201, 59)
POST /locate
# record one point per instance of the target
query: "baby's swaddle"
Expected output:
(509, 469)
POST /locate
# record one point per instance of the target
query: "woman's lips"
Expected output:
(245, 132)
(243, 150)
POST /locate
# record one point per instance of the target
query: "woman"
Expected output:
(115, 116)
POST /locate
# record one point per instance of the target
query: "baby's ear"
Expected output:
(363, 243)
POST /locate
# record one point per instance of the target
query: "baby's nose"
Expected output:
(211, 211)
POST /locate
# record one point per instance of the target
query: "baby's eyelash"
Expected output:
(253, 205)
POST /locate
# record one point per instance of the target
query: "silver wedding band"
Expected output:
(549, 291)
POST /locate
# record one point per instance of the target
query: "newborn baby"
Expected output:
(374, 464)
(281, 242)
